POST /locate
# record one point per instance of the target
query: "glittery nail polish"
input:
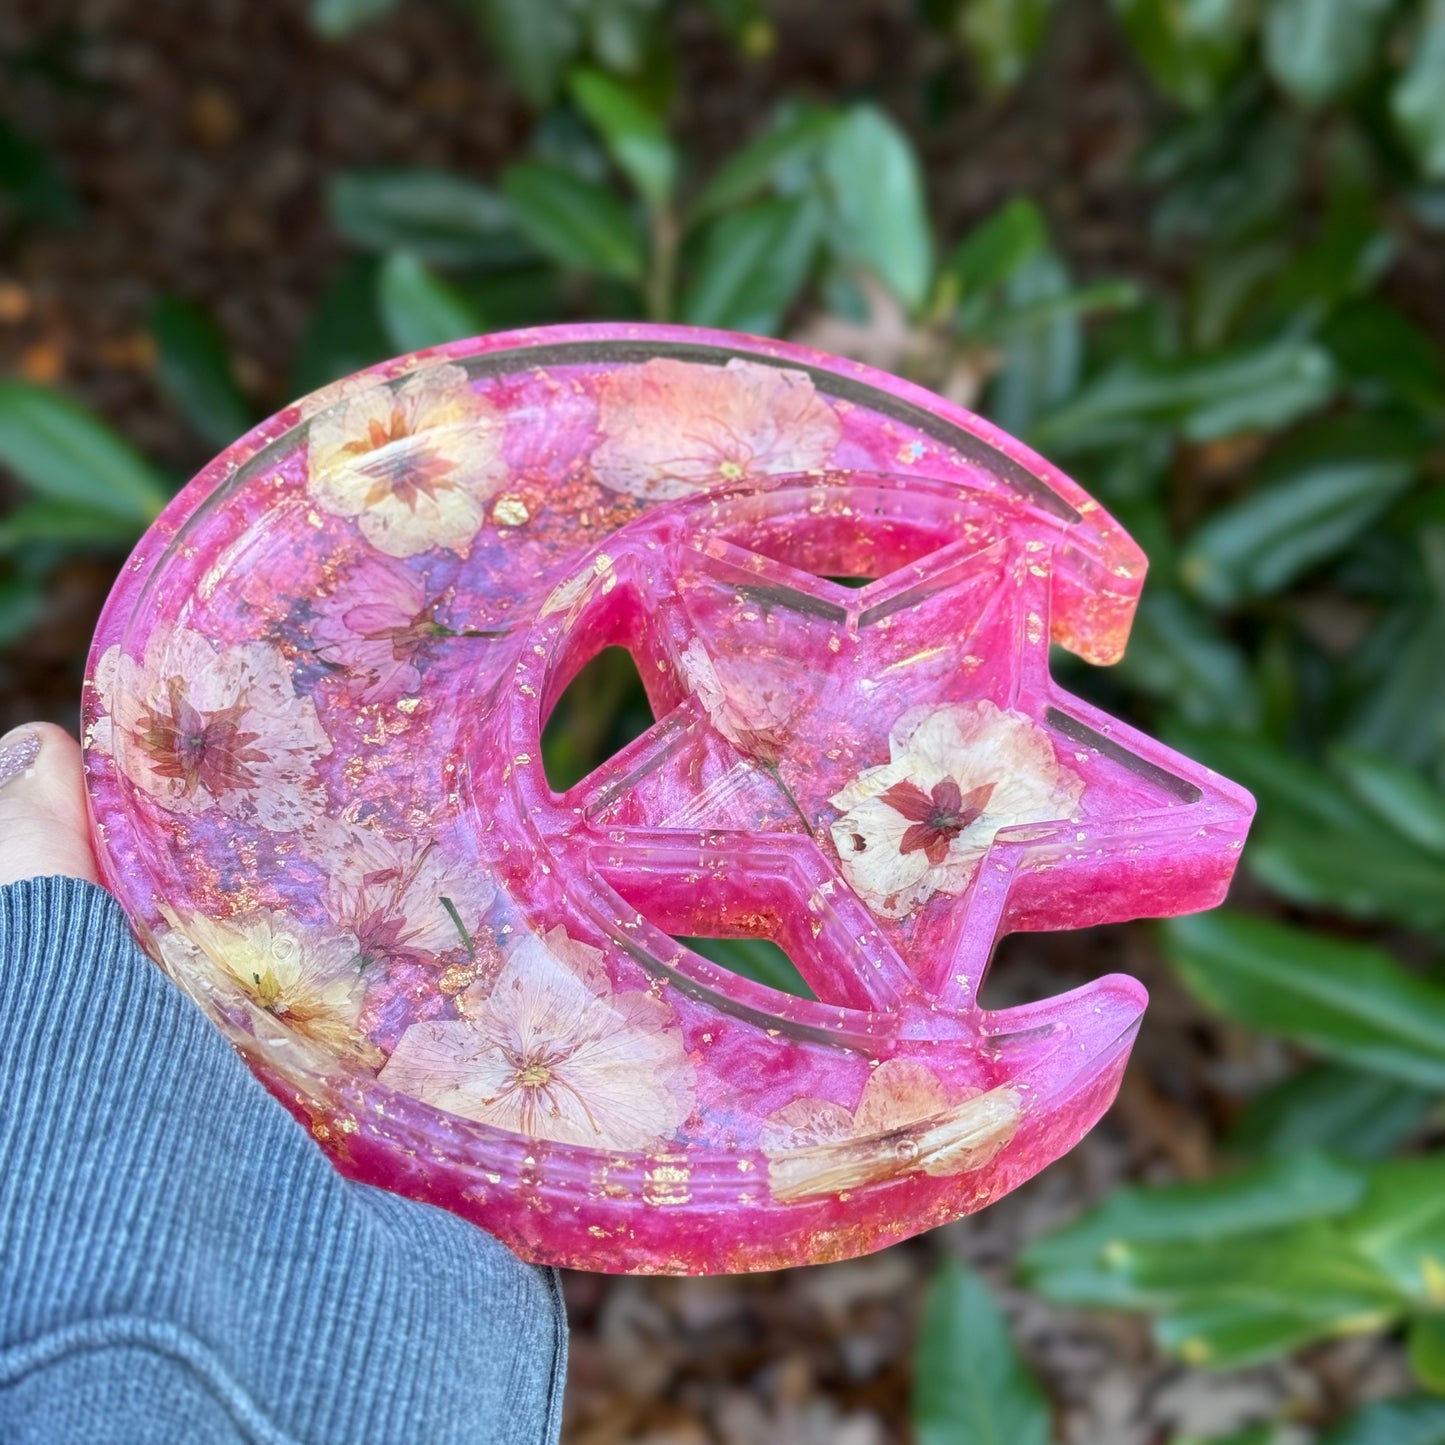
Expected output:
(18, 754)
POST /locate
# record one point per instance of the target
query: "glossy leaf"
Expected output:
(753, 263)
(578, 223)
(1418, 100)
(535, 40)
(1364, 1116)
(445, 219)
(997, 247)
(33, 181)
(635, 137)
(876, 188)
(1177, 653)
(64, 453)
(1413, 1420)
(1315, 49)
(1079, 1264)
(194, 369)
(47, 522)
(970, 1385)
(755, 958)
(344, 333)
(1190, 47)
(336, 19)
(1426, 1344)
(1315, 500)
(1347, 1001)
(758, 164)
(1398, 796)
(1002, 36)
(22, 604)
(1385, 353)
(1400, 1226)
(1262, 387)
(1234, 1301)
(419, 309)
(1039, 364)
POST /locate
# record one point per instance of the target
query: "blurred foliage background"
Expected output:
(1193, 250)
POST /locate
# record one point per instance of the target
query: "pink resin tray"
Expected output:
(313, 728)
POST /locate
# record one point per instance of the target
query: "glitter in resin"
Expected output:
(313, 729)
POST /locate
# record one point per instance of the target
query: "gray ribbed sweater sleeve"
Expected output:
(179, 1262)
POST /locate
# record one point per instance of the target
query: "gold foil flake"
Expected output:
(511, 511)
(408, 704)
(667, 1183)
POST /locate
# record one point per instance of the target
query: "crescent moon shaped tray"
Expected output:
(313, 724)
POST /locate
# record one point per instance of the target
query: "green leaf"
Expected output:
(336, 19)
(1249, 1435)
(755, 958)
(1412, 1420)
(997, 247)
(46, 522)
(1317, 49)
(1080, 1264)
(746, 172)
(970, 1385)
(536, 41)
(636, 139)
(753, 263)
(876, 189)
(579, 224)
(60, 451)
(1190, 47)
(1418, 100)
(1398, 796)
(446, 219)
(34, 181)
(1375, 345)
(1178, 654)
(1002, 36)
(194, 370)
(1040, 364)
(1254, 388)
(1347, 1001)
(1315, 498)
(1234, 1301)
(418, 309)
(344, 333)
(1400, 1226)
(1360, 1115)
(23, 602)
(1427, 1351)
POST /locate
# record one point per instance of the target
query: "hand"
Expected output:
(44, 827)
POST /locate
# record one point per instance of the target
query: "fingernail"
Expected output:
(18, 752)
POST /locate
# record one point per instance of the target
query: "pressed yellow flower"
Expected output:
(903, 1125)
(308, 979)
(413, 463)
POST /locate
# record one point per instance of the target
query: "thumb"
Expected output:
(43, 822)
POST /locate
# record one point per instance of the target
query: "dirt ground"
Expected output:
(199, 135)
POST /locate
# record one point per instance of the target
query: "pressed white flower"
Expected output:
(671, 428)
(552, 1052)
(749, 703)
(392, 894)
(200, 727)
(413, 463)
(903, 1125)
(918, 824)
(306, 978)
